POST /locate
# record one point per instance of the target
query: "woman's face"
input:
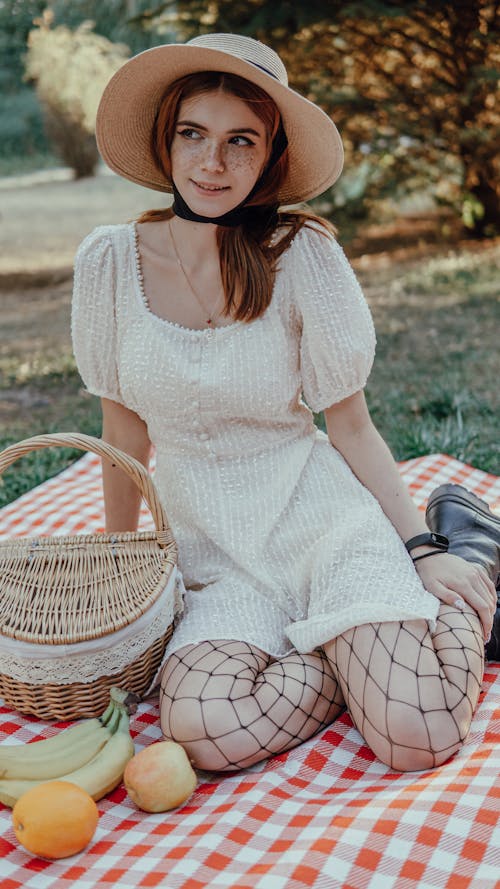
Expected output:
(218, 152)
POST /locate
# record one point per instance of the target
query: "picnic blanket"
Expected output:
(325, 815)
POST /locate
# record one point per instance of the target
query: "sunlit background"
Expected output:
(412, 87)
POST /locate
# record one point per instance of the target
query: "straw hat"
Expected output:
(129, 104)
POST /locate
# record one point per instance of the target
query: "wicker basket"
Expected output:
(80, 599)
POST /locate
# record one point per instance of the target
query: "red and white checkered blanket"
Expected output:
(325, 815)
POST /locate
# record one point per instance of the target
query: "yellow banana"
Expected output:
(48, 764)
(10, 795)
(99, 776)
(105, 771)
(62, 753)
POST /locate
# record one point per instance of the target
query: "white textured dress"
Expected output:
(290, 549)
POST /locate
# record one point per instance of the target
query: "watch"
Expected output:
(437, 541)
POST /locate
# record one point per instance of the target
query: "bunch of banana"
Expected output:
(92, 754)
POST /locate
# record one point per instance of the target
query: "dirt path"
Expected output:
(43, 219)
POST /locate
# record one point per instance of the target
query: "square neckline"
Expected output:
(208, 332)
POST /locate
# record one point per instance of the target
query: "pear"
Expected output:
(160, 777)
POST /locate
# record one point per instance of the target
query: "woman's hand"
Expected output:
(456, 582)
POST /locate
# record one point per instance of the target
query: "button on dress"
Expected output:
(280, 545)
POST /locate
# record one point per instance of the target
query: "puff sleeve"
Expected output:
(337, 340)
(93, 315)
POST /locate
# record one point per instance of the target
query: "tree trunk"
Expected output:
(485, 192)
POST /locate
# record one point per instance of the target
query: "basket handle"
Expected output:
(130, 465)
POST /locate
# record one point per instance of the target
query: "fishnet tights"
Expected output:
(231, 705)
(410, 693)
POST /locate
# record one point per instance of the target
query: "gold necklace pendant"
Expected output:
(210, 321)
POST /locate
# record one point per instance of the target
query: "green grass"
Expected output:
(49, 391)
(434, 386)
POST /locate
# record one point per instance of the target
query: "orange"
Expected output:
(55, 819)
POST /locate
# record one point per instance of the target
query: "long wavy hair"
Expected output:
(248, 257)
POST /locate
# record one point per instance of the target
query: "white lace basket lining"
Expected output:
(89, 660)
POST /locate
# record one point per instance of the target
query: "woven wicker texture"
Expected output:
(70, 589)
(83, 699)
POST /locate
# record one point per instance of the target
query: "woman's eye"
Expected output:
(241, 140)
(189, 134)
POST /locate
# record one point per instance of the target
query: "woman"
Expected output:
(200, 328)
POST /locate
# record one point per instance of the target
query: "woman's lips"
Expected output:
(209, 188)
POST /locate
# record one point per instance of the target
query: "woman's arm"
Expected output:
(352, 432)
(124, 429)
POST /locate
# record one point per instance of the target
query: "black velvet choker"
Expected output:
(239, 216)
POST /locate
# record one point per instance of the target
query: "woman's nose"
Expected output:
(213, 158)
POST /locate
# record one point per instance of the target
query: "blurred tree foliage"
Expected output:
(118, 20)
(70, 69)
(21, 123)
(121, 21)
(16, 21)
(21, 120)
(411, 85)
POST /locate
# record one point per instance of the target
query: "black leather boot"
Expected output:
(474, 534)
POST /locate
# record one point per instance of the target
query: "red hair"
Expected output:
(247, 260)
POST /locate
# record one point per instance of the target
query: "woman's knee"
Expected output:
(411, 695)
(416, 739)
(204, 729)
(201, 713)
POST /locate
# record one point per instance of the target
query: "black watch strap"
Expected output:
(438, 541)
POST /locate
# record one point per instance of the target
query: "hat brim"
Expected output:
(130, 101)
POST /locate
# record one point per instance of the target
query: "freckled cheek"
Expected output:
(245, 162)
(182, 157)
